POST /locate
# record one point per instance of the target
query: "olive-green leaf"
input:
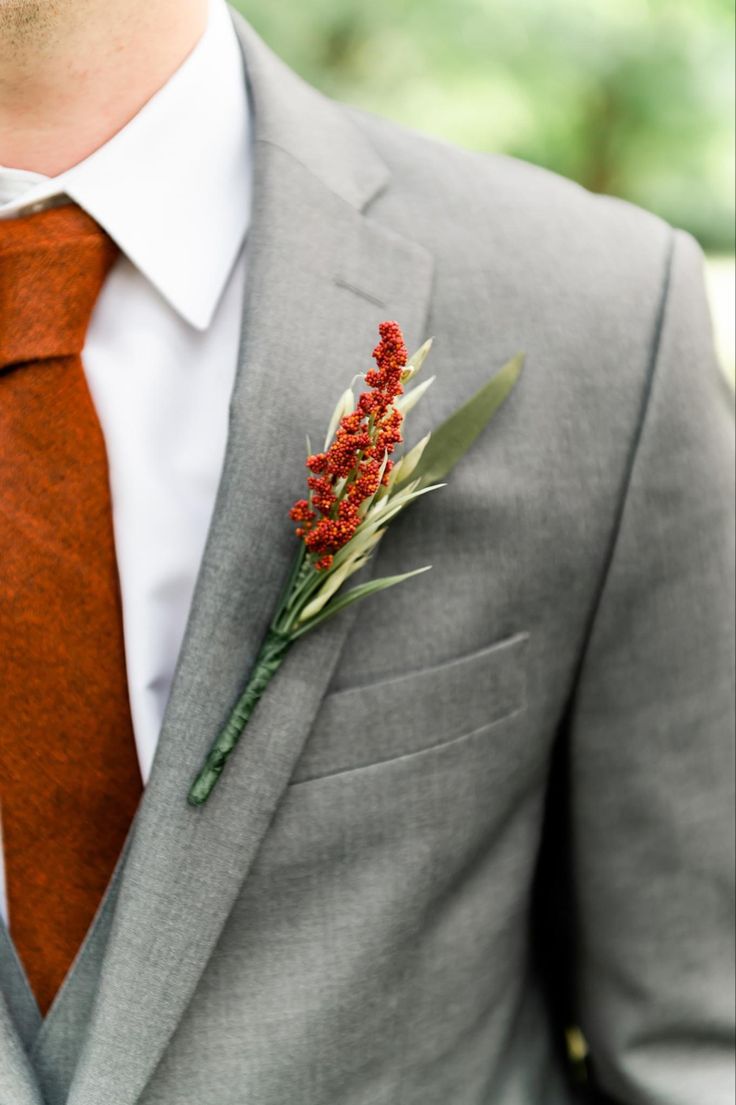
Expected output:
(360, 592)
(452, 439)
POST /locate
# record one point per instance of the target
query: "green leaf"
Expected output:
(336, 578)
(452, 439)
(415, 362)
(360, 592)
(408, 401)
(372, 523)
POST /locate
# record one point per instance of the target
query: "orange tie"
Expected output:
(69, 776)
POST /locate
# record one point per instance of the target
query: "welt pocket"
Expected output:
(412, 712)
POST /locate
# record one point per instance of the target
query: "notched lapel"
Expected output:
(309, 324)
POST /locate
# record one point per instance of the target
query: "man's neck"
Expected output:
(73, 72)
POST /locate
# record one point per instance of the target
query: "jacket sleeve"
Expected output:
(651, 735)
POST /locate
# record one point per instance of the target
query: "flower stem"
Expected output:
(269, 660)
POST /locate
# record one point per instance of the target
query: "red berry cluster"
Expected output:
(354, 459)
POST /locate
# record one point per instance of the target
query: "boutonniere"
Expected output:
(355, 490)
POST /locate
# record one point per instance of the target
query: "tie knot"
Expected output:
(52, 267)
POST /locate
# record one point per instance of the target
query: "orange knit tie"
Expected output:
(69, 777)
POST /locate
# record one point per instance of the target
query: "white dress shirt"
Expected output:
(173, 189)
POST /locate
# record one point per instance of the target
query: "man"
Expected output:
(486, 805)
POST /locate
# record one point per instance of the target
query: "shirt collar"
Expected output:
(173, 187)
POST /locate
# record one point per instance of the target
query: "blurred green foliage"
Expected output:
(631, 97)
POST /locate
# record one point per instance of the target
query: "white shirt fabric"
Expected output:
(173, 189)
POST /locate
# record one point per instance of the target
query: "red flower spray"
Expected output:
(354, 466)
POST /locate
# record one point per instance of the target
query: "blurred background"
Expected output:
(629, 97)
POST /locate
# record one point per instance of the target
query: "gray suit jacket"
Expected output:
(513, 769)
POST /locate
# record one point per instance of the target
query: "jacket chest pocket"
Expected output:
(401, 716)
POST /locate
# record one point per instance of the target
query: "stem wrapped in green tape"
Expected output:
(268, 662)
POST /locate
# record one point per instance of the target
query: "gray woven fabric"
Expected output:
(349, 920)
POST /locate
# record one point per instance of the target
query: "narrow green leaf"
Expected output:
(380, 519)
(452, 439)
(415, 362)
(345, 404)
(360, 592)
(404, 467)
(335, 578)
(297, 569)
(408, 401)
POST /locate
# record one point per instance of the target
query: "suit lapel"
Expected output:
(18, 1085)
(21, 1004)
(320, 277)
